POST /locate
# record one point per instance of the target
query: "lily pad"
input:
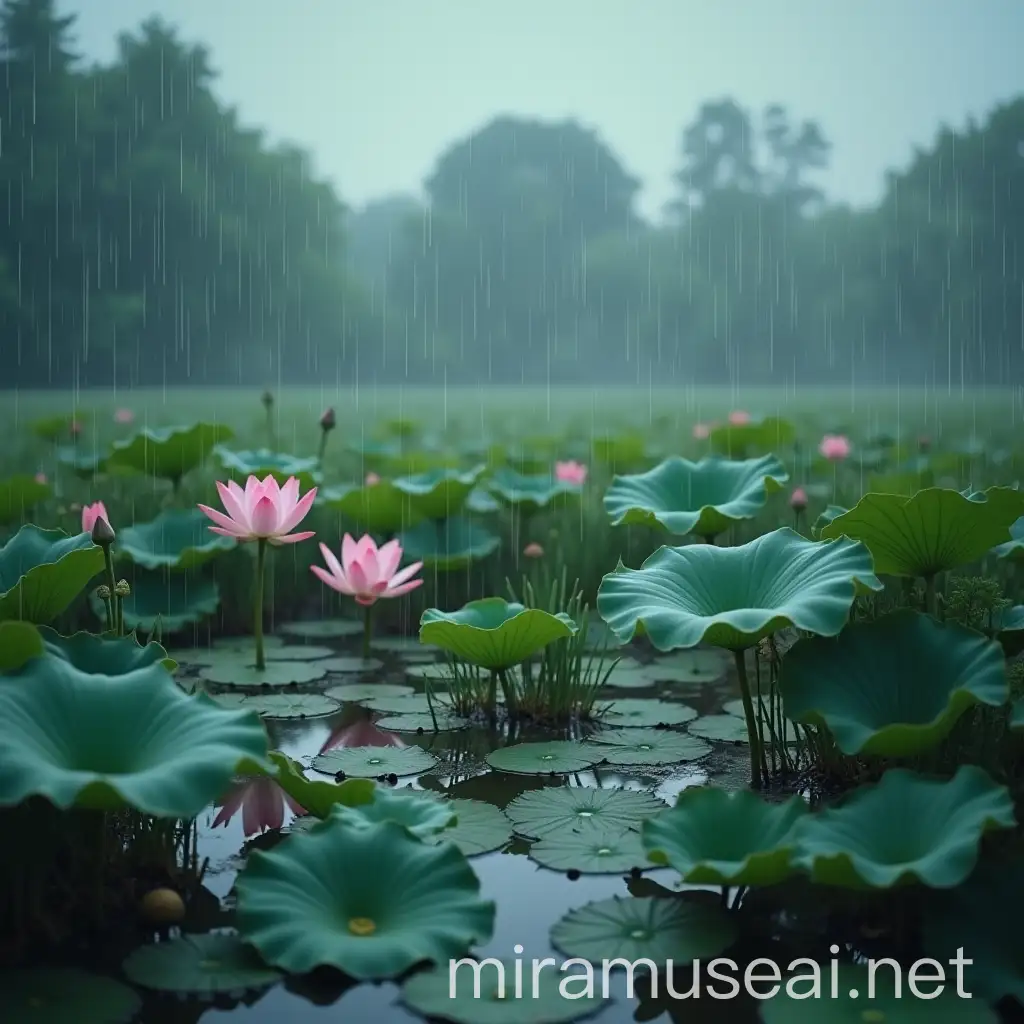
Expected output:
(322, 629)
(401, 645)
(733, 597)
(439, 672)
(347, 664)
(439, 493)
(177, 539)
(19, 494)
(263, 463)
(905, 828)
(735, 707)
(725, 837)
(241, 650)
(704, 498)
(935, 530)
(43, 571)
(688, 667)
(628, 675)
(1013, 548)
(422, 815)
(56, 995)
(479, 828)
(372, 762)
(199, 965)
(894, 686)
(593, 852)
(532, 492)
(690, 927)
(175, 601)
(557, 757)
(169, 453)
(318, 797)
(379, 507)
(280, 705)
(639, 712)
(540, 813)
(398, 901)
(442, 721)
(356, 693)
(240, 672)
(720, 728)
(447, 544)
(406, 704)
(494, 633)
(634, 747)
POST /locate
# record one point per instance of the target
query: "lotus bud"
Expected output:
(533, 550)
(267, 399)
(328, 421)
(162, 907)
(102, 533)
(798, 500)
(122, 589)
(103, 592)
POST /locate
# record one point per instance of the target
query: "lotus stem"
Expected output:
(508, 689)
(748, 712)
(323, 449)
(257, 610)
(367, 630)
(931, 604)
(111, 583)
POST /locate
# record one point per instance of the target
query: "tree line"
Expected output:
(150, 237)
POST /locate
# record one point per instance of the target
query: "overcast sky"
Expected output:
(376, 89)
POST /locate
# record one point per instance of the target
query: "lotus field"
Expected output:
(297, 699)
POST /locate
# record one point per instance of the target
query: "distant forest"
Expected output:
(150, 237)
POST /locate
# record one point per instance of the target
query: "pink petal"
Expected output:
(365, 545)
(348, 550)
(264, 518)
(334, 582)
(234, 508)
(234, 533)
(332, 562)
(292, 519)
(231, 525)
(403, 588)
(289, 494)
(368, 563)
(404, 574)
(388, 557)
(357, 578)
(293, 538)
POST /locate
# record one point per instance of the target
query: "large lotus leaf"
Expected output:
(176, 539)
(738, 439)
(905, 828)
(624, 449)
(263, 463)
(372, 762)
(315, 796)
(59, 995)
(53, 428)
(531, 492)
(439, 493)
(1010, 625)
(894, 686)
(43, 571)
(169, 453)
(422, 815)
(379, 507)
(494, 633)
(20, 493)
(831, 512)
(104, 655)
(935, 530)
(479, 827)
(19, 641)
(593, 852)
(1013, 548)
(104, 741)
(725, 837)
(704, 497)
(84, 464)
(395, 902)
(481, 502)
(540, 813)
(175, 600)
(732, 597)
(448, 544)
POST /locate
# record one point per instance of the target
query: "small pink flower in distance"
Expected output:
(367, 572)
(263, 511)
(361, 734)
(702, 431)
(75, 428)
(834, 447)
(533, 550)
(798, 500)
(571, 473)
(924, 442)
(372, 479)
(262, 803)
(40, 478)
(739, 418)
(124, 416)
(90, 513)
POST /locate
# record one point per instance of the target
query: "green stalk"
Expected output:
(748, 711)
(931, 603)
(367, 630)
(108, 561)
(257, 611)
(323, 448)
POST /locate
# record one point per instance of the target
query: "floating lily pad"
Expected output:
(687, 928)
(242, 672)
(56, 995)
(720, 728)
(350, 665)
(199, 965)
(494, 633)
(479, 828)
(241, 650)
(19, 494)
(177, 539)
(170, 453)
(628, 747)
(43, 571)
(448, 544)
(906, 828)
(439, 672)
(540, 813)
(280, 705)
(531, 492)
(735, 707)
(407, 704)
(725, 837)
(557, 757)
(438, 494)
(894, 686)
(935, 530)
(445, 722)
(322, 629)
(380, 507)
(239, 644)
(595, 851)
(1013, 548)
(372, 762)
(401, 645)
(629, 675)
(733, 597)
(175, 600)
(688, 667)
(422, 815)
(705, 497)
(263, 463)
(359, 692)
(625, 713)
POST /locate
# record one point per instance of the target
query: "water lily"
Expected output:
(739, 418)
(90, 513)
(571, 472)
(701, 431)
(367, 573)
(533, 550)
(264, 512)
(124, 416)
(262, 802)
(40, 478)
(834, 447)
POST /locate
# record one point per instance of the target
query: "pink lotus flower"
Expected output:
(262, 803)
(834, 447)
(372, 479)
(798, 500)
(739, 418)
(361, 734)
(571, 473)
(702, 431)
(97, 510)
(533, 550)
(75, 428)
(263, 511)
(124, 416)
(40, 478)
(367, 572)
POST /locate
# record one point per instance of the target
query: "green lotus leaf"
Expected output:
(704, 497)
(892, 687)
(935, 530)
(52, 428)
(372, 762)
(19, 641)
(725, 837)
(494, 633)
(733, 597)
(765, 435)
(596, 851)
(199, 965)
(720, 728)
(540, 813)
(735, 708)
(20, 493)
(422, 815)
(58, 995)
(348, 664)
(263, 463)
(479, 828)
(630, 747)
(905, 828)
(831, 512)
(599, 638)
(481, 502)
(169, 453)
(74, 737)
(322, 629)
(531, 492)
(317, 797)
(624, 449)
(490, 996)
(357, 693)
(447, 544)
(439, 493)
(85, 465)
(639, 713)
(1010, 626)
(627, 675)
(1013, 548)
(379, 507)
(176, 539)
(43, 571)
(407, 704)
(693, 926)
(175, 600)
(692, 666)
(422, 721)
(397, 902)
(106, 655)
(279, 705)
(241, 651)
(435, 673)
(555, 757)
(240, 672)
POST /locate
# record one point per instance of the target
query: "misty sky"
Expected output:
(375, 89)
